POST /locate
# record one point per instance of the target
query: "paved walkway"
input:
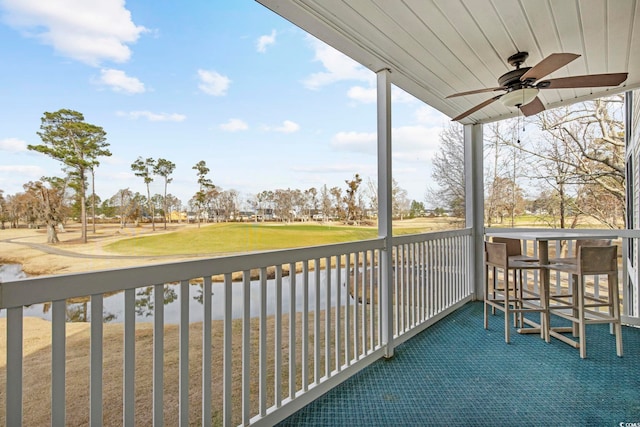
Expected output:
(62, 252)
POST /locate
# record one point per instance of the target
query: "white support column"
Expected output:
(631, 276)
(474, 202)
(630, 212)
(385, 228)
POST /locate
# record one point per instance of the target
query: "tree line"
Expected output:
(79, 146)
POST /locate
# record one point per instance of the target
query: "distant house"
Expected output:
(176, 216)
(266, 214)
(244, 216)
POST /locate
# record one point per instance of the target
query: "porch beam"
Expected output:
(474, 203)
(385, 227)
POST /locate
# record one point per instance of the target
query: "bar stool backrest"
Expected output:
(598, 259)
(514, 247)
(592, 242)
(496, 254)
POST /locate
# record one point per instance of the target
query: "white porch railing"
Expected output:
(258, 336)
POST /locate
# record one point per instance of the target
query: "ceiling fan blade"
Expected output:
(548, 65)
(589, 80)
(476, 108)
(471, 92)
(534, 107)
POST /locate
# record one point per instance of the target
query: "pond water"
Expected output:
(114, 304)
(10, 272)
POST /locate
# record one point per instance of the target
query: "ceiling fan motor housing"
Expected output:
(512, 78)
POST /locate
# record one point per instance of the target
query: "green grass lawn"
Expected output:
(225, 238)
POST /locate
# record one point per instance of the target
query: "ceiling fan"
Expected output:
(523, 84)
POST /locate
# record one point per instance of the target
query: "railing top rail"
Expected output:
(434, 235)
(53, 288)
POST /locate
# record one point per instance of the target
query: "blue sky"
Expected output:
(266, 105)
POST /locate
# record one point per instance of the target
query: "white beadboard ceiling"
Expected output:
(435, 48)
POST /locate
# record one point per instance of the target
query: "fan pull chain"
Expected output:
(518, 125)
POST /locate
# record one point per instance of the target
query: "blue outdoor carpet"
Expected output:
(456, 373)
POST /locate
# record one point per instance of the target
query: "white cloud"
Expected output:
(415, 143)
(332, 168)
(400, 96)
(337, 67)
(359, 142)
(13, 177)
(368, 95)
(363, 94)
(213, 83)
(430, 116)
(287, 127)
(27, 170)
(234, 125)
(120, 82)
(14, 145)
(266, 40)
(410, 143)
(153, 117)
(114, 160)
(87, 31)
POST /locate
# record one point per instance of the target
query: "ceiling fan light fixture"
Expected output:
(519, 97)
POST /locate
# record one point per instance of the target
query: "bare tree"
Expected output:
(372, 193)
(595, 201)
(325, 203)
(283, 204)
(298, 204)
(351, 199)
(123, 201)
(582, 154)
(400, 204)
(26, 208)
(311, 201)
(219, 203)
(4, 212)
(506, 198)
(264, 202)
(229, 204)
(505, 146)
(558, 175)
(448, 171)
(12, 207)
(337, 209)
(173, 204)
(400, 201)
(50, 195)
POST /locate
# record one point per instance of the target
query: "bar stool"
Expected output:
(514, 249)
(505, 295)
(580, 242)
(515, 255)
(583, 309)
